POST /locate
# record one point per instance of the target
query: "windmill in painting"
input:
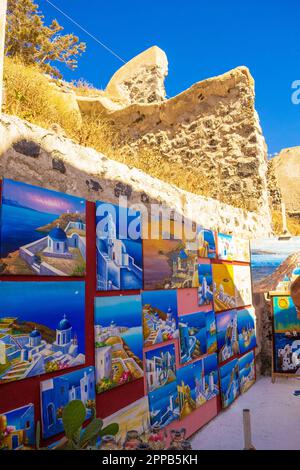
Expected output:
(42, 232)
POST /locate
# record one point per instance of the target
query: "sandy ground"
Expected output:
(275, 419)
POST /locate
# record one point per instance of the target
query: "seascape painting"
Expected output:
(164, 405)
(205, 284)
(42, 328)
(160, 366)
(246, 371)
(43, 232)
(229, 382)
(192, 334)
(17, 429)
(119, 248)
(118, 341)
(246, 325)
(227, 335)
(206, 243)
(225, 247)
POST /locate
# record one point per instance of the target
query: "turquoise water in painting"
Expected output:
(133, 339)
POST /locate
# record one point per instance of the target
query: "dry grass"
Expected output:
(293, 224)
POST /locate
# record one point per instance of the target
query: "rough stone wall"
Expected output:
(264, 334)
(275, 196)
(37, 156)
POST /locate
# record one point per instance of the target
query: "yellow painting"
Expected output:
(224, 290)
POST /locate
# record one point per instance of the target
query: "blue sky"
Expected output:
(201, 39)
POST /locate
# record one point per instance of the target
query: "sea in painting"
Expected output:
(193, 336)
(246, 329)
(56, 393)
(229, 382)
(164, 405)
(119, 248)
(160, 366)
(274, 263)
(42, 328)
(17, 429)
(118, 341)
(160, 320)
(43, 232)
(246, 371)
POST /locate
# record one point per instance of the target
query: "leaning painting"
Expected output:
(224, 288)
(17, 429)
(41, 328)
(42, 232)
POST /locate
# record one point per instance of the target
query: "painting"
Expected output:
(160, 366)
(211, 332)
(42, 328)
(229, 382)
(118, 341)
(169, 262)
(227, 335)
(211, 377)
(224, 288)
(275, 264)
(246, 329)
(160, 320)
(205, 281)
(243, 286)
(225, 247)
(241, 250)
(42, 232)
(246, 371)
(57, 392)
(286, 318)
(17, 429)
(193, 336)
(206, 243)
(119, 248)
(164, 405)
(132, 419)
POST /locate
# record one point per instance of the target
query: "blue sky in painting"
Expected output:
(123, 310)
(210, 363)
(162, 299)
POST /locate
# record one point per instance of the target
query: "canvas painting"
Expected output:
(206, 243)
(241, 250)
(56, 393)
(227, 335)
(225, 247)
(274, 264)
(17, 429)
(134, 417)
(224, 288)
(160, 367)
(193, 336)
(286, 318)
(119, 248)
(189, 386)
(246, 371)
(246, 329)
(118, 341)
(211, 377)
(211, 332)
(164, 405)
(159, 316)
(229, 382)
(42, 232)
(169, 262)
(205, 282)
(42, 328)
(243, 286)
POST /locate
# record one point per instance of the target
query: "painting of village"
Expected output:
(275, 264)
(38, 335)
(241, 250)
(227, 335)
(164, 405)
(224, 288)
(134, 424)
(170, 262)
(119, 248)
(246, 329)
(229, 382)
(205, 283)
(225, 247)
(17, 429)
(160, 366)
(243, 287)
(192, 333)
(211, 332)
(118, 341)
(246, 371)
(287, 335)
(206, 243)
(42, 232)
(56, 393)
(159, 316)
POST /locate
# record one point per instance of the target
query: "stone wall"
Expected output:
(40, 157)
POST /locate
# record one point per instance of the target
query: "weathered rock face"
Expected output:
(40, 157)
(286, 169)
(211, 129)
(275, 196)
